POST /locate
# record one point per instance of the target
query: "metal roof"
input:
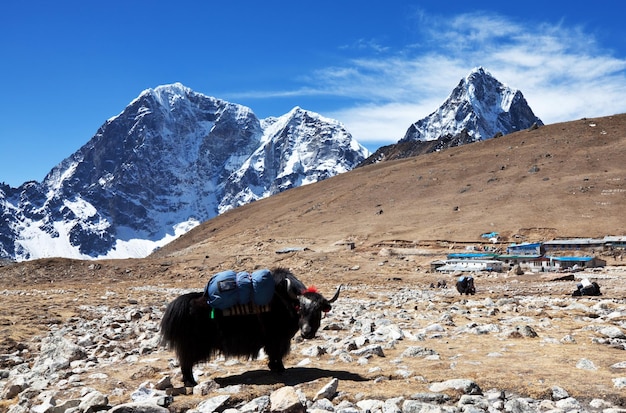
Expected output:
(470, 255)
(526, 245)
(575, 241)
(571, 258)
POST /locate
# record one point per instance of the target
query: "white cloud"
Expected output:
(382, 123)
(562, 72)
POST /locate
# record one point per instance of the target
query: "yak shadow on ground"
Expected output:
(289, 377)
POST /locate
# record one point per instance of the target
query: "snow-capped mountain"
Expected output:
(172, 159)
(479, 108)
(479, 104)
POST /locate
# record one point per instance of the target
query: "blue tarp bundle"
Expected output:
(228, 288)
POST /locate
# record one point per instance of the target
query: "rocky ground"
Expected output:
(83, 336)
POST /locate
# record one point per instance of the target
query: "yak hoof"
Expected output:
(276, 366)
(190, 383)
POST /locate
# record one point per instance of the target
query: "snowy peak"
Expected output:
(479, 105)
(166, 95)
(298, 148)
(486, 93)
(171, 159)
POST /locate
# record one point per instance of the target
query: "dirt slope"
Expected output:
(561, 180)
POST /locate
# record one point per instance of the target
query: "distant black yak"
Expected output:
(586, 288)
(196, 332)
(465, 285)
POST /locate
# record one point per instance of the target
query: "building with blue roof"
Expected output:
(526, 248)
(530, 257)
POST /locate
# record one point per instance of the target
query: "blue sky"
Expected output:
(67, 66)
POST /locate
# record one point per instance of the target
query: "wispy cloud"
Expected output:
(563, 73)
(366, 44)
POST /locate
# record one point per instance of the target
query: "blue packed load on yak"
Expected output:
(200, 325)
(228, 289)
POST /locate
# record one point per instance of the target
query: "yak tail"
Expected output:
(177, 321)
(185, 329)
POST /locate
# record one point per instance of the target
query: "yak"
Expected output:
(196, 331)
(585, 287)
(465, 285)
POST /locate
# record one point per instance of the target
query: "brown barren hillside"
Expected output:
(561, 180)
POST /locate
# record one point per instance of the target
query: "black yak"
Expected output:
(196, 332)
(465, 285)
(585, 287)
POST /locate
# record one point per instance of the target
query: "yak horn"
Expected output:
(289, 292)
(332, 300)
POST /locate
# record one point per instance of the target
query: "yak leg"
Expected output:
(275, 362)
(276, 366)
(186, 368)
(275, 353)
(188, 379)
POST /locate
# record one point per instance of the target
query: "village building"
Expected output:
(574, 263)
(533, 257)
(575, 244)
(471, 265)
(533, 263)
(471, 256)
(615, 242)
(607, 243)
(526, 249)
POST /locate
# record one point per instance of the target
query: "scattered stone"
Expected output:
(370, 405)
(418, 352)
(66, 405)
(328, 391)
(14, 387)
(526, 331)
(139, 407)
(465, 385)
(313, 351)
(286, 400)
(437, 398)
(213, 404)
(260, 404)
(371, 350)
(585, 364)
(164, 383)
(568, 404)
(93, 402)
(619, 382)
(203, 388)
(612, 332)
(558, 393)
(75, 355)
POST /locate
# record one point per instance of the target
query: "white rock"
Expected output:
(328, 391)
(585, 364)
(213, 404)
(286, 400)
(619, 382)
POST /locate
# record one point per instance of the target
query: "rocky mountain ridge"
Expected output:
(480, 107)
(170, 160)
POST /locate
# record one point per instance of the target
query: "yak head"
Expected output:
(312, 305)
